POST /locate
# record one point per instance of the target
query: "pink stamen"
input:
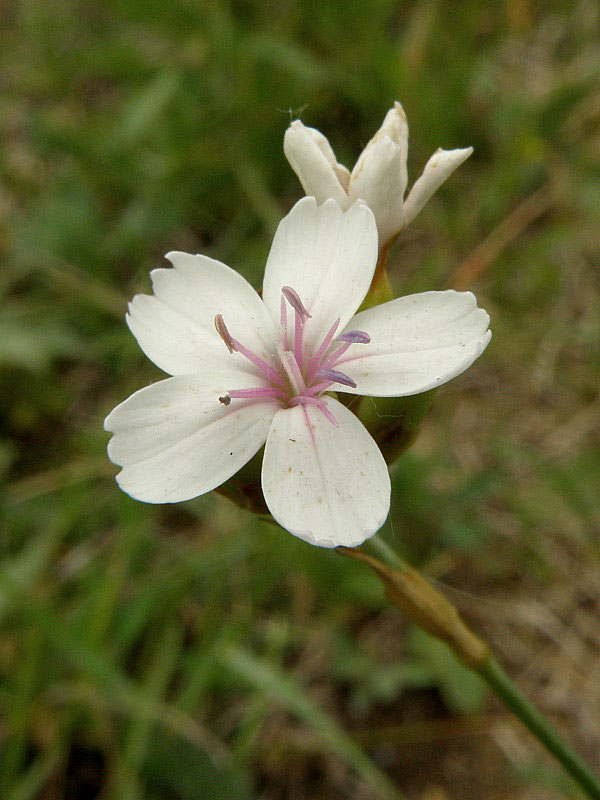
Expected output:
(223, 332)
(352, 337)
(294, 300)
(315, 361)
(355, 337)
(336, 376)
(332, 360)
(259, 391)
(318, 387)
(298, 329)
(283, 318)
(293, 371)
(292, 376)
(301, 399)
(319, 403)
(265, 368)
(329, 415)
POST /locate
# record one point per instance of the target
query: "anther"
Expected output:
(354, 337)
(224, 333)
(226, 399)
(294, 300)
(335, 376)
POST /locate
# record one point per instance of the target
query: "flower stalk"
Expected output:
(423, 605)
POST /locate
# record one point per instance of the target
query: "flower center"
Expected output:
(296, 372)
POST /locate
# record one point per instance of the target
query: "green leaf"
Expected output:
(462, 689)
(286, 691)
(177, 770)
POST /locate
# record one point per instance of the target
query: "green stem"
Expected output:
(515, 700)
(500, 683)
(390, 556)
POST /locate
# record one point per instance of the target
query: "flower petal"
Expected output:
(439, 167)
(395, 126)
(175, 440)
(417, 343)
(325, 484)
(379, 178)
(312, 159)
(328, 257)
(175, 327)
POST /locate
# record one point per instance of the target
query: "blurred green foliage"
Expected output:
(193, 651)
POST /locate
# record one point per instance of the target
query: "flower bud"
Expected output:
(379, 177)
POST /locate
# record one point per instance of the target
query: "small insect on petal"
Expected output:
(224, 333)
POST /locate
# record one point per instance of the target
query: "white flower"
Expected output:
(379, 176)
(249, 371)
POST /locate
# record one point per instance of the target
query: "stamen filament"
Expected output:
(265, 368)
(259, 391)
(283, 319)
(294, 375)
(319, 403)
(298, 328)
(315, 361)
(352, 337)
(290, 365)
(318, 387)
(329, 415)
(332, 360)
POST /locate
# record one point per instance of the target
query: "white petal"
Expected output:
(439, 167)
(417, 343)
(379, 178)
(395, 126)
(324, 146)
(328, 257)
(325, 484)
(176, 328)
(175, 440)
(313, 161)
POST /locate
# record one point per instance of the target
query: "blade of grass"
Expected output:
(163, 661)
(286, 691)
(29, 786)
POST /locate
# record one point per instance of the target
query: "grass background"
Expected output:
(176, 653)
